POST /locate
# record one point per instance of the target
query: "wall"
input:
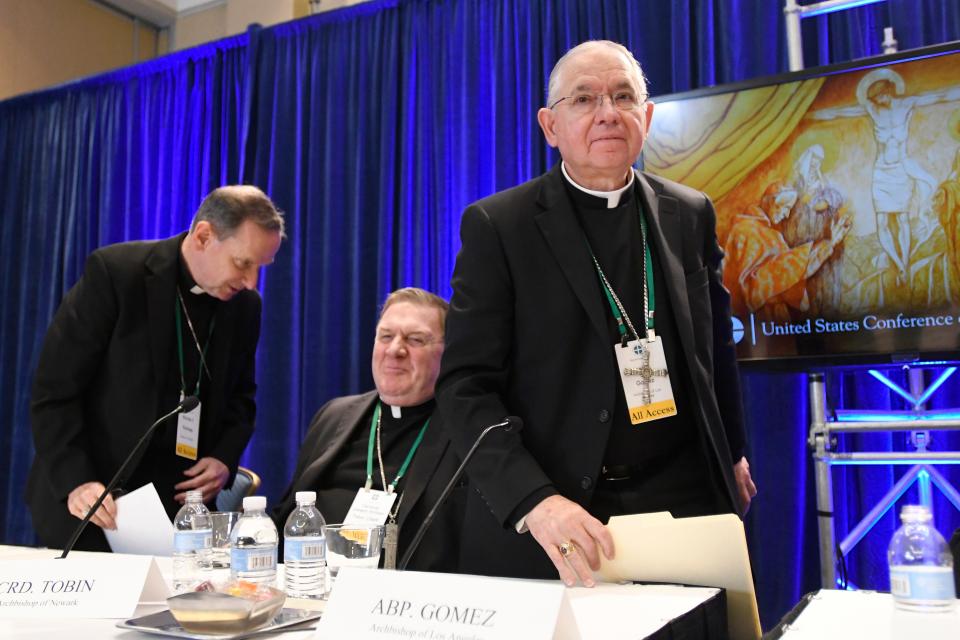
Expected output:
(329, 5)
(196, 27)
(44, 43)
(221, 18)
(48, 42)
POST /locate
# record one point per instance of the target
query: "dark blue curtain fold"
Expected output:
(123, 156)
(781, 524)
(372, 127)
(858, 33)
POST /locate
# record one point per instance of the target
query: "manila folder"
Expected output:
(707, 551)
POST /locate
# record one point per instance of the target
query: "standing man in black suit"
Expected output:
(366, 441)
(589, 302)
(147, 324)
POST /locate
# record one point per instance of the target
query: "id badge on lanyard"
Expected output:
(641, 362)
(188, 433)
(370, 507)
(646, 382)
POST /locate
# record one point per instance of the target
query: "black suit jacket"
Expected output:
(527, 335)
(332, 429)
(102, 371)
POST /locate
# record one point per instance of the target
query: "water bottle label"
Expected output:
(921, 583)
(303, 548)
(253, 559)
(192, 540)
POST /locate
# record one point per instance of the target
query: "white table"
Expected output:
(868, 615)
(608, 612)
(97, 629)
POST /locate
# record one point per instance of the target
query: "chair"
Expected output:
(244, 484)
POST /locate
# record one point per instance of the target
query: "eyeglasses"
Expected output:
(584, 103)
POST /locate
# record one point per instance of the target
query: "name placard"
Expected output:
(107, 586)
(371, 603)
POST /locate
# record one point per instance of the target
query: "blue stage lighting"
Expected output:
(891, 461)
(830, 7)
(893, 386)
(873, 416)
(936, 384)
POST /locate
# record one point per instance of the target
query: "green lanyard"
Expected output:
(374, 427)
(649, 300)
(203, 352)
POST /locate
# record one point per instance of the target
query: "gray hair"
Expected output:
(553, 86)
(226, 208)
(419, 297)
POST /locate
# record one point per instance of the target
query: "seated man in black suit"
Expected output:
(337, 460)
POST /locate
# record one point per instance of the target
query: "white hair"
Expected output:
(553, 86)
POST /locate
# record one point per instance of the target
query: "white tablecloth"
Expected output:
(609, 612)
(77, 629)
(868, 615)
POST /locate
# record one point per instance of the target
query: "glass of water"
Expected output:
(222, 522)
(353, 546)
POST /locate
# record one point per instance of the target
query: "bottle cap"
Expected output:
(254, 503)
(306, 497)
(195, 495)
(915, 512)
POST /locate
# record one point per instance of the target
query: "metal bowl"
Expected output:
(215, 612)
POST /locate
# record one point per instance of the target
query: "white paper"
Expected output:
(143, 527)
(626, 611)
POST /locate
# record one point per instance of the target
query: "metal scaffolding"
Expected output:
(918, 421)
(793, 13)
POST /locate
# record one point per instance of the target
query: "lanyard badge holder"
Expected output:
(188, 424)
(374, 507)
(641, 362)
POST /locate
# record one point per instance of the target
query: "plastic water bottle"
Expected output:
(253, 544)
(921, 567)
(304, 549)
(192, 542)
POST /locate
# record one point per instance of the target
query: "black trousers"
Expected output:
(683, 483)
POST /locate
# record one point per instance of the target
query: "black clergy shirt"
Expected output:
(665, 458)
(160, 464)
(338, 485)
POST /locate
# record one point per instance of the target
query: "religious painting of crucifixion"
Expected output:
(837, 195)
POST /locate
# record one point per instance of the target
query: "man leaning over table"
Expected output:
(147, 324)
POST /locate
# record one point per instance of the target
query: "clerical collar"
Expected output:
(403, 413)
(612, 197)
(187, 283)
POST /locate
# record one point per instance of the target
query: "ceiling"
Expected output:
(161, 13)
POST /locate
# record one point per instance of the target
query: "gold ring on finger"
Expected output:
(567, 548)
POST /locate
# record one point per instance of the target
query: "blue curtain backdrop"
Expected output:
(373, 127)
(124, 156)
